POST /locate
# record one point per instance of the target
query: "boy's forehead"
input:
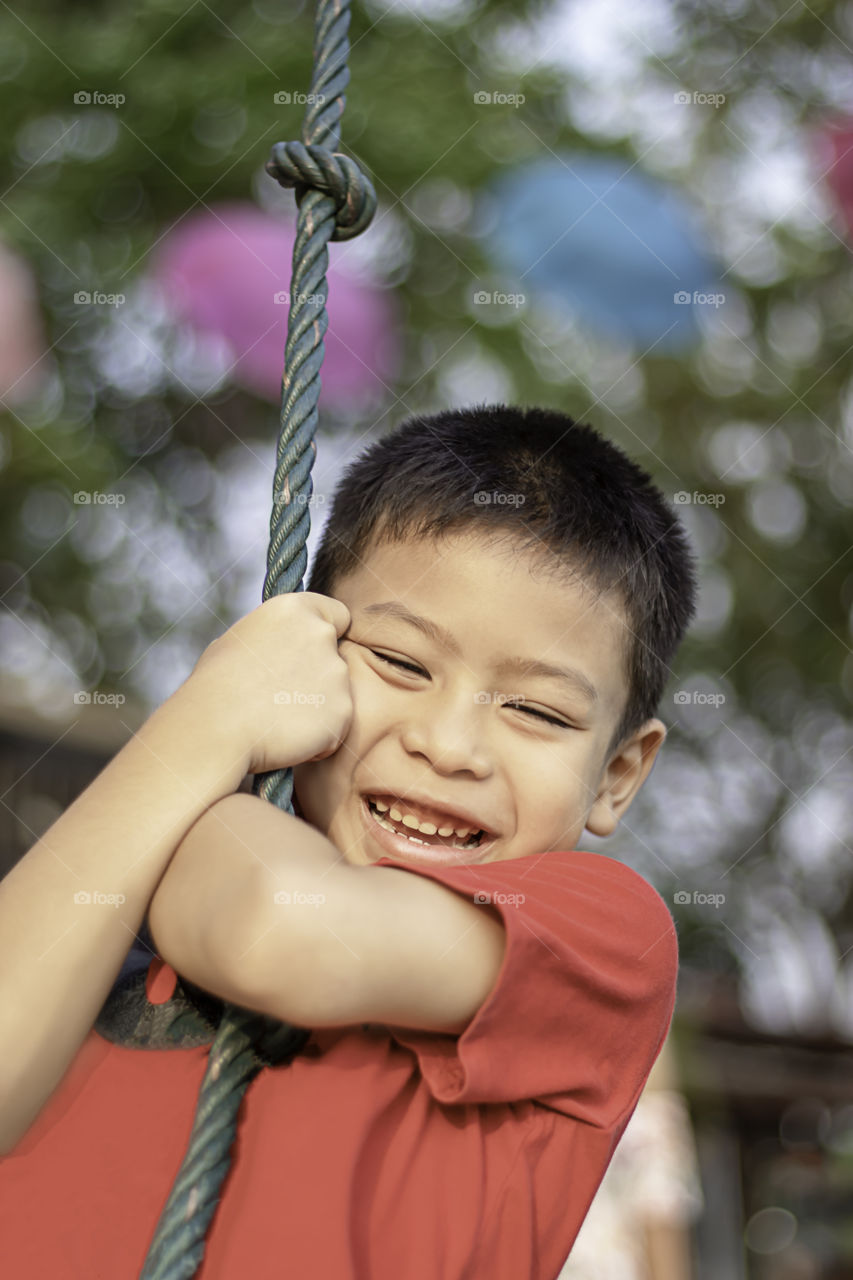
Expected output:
(395, 568)
(549, 573)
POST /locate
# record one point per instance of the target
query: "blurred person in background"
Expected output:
(638, 1224)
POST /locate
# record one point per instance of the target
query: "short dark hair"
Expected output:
(577, 503)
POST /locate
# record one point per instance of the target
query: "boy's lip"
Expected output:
(395, 846)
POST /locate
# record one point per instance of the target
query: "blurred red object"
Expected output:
(226, 271)
(836, 145)
(22, 342)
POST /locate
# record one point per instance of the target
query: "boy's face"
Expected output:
(446, 737)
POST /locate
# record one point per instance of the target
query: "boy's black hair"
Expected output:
(577, 504)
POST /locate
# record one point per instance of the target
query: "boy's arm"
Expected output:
(59, 957)
(263, 910)
(204, 915)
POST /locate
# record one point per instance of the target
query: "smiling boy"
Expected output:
(457, 713)
(468, 685)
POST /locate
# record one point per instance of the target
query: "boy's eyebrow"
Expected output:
(510, 666)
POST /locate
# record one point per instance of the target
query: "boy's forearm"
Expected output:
(211, 912)
(60, 954)
(206, 903)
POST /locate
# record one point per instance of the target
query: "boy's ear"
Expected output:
(623, 775)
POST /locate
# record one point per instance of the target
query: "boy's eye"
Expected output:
(540, 715)
(516, 706)
(395, 662)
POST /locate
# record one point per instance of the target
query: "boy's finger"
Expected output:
(334, 611)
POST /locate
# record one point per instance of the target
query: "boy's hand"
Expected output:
(275, 685)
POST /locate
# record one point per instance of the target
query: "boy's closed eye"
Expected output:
(531, 711)
(398, 662)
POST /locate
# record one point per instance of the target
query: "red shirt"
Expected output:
(376, 1155)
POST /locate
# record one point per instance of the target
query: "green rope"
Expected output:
(336, 201)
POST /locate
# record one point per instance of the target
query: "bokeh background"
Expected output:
(640, 213)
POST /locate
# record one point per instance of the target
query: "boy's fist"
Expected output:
(275, 685)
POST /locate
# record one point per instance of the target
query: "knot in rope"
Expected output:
(316, 168)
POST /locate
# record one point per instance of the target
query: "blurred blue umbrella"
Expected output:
(613, 244)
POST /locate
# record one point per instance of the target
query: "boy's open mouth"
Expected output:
(447, 831)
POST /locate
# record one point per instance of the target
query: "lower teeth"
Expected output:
(387, 825)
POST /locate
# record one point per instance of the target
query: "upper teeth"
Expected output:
(428, 828)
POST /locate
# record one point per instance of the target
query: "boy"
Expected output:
(468, 683)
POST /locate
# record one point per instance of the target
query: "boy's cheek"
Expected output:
(315, 789)
(303, 788)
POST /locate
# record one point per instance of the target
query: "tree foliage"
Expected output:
(751, 795)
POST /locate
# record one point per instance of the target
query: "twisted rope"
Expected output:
(336, 202)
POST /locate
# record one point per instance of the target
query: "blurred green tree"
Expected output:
(750, 798)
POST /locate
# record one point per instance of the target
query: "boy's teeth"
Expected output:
(409, 820)
(383, 822)
(428, 828)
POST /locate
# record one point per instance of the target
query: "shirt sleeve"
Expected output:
(585, 994)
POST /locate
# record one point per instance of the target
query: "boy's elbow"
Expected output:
(203, 909)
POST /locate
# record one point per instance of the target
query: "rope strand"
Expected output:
(336, 201)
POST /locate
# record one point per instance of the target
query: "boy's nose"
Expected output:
(448, 734)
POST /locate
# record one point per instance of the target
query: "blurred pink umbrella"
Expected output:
(227, 271)
(22, 343)
(835, 143)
